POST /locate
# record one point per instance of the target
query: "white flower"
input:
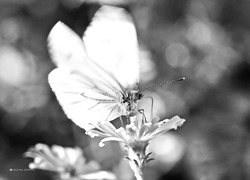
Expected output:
(135, 136)
(68, 162)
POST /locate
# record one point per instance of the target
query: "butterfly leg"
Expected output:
(151, 107)
(122, 124)
(128, 119)
(144, 119)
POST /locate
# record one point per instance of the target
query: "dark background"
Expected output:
(208, 42)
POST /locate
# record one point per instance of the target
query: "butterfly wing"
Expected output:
(86, 92)
(111, 41)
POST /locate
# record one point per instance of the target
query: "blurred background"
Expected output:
(208, 42)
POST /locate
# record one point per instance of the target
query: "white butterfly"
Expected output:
(100, 81)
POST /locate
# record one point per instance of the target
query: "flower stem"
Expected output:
(138, 176)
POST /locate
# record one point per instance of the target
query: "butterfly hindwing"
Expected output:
(86, 92)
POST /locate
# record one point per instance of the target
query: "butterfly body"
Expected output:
(130, 101)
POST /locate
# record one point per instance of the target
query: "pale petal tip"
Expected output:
(101, 144)
(91, 134)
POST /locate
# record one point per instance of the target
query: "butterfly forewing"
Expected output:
(113, 35)
(68, 51)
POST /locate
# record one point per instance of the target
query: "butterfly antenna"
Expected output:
(163, 83)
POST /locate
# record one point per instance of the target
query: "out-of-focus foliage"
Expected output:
(205, 41)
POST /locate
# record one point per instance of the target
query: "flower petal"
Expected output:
(98, 176)
(101, 144)
(73, 155)
(168, 124)
(40, 156)
(107, 127)
(95, 133)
